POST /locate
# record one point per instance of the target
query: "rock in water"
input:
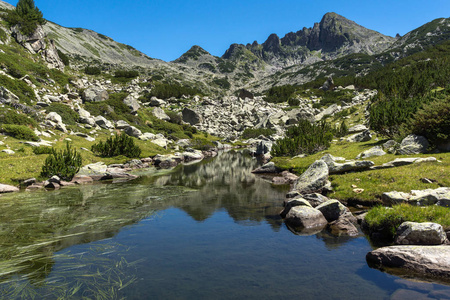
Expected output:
(332, 209)
(4, 188)
(425, 261)
(305, 216)
(267, 168)
(314, 179)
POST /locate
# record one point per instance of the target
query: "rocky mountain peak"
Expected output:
(192, 54)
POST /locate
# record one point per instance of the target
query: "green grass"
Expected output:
(386, 220)
(24, 165)
(374, 182)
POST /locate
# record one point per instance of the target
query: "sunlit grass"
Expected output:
(375, 182)
(24, 164)
(387, 220)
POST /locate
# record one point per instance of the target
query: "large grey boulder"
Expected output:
(348, 166)
(289, 204)
(314, 179)
(133, 131)
(191, 117)
(156, 102)
(54, 117)
(121, 124)
(332, 209)
(360, 137)
(160, 114)
(305, 216)
(357, 128)
(439, 196)
(425, 261)
(94, 94)
(85, 117)
(412, 233)
(5, 188)
(267, 168)
(103, 122)
(315, 199)
(390, 146)
(146, 136)
(375, 151)
(413, 144)
(132, 104)
(331, 110)
(285, 178)
(343, 226)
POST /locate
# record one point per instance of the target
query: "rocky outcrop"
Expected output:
(332, 209)
(314, 179)
(160, 114)
(375, 151)
(285, 178)
(348, 166)
(191, 117)
(132, 104)
(5, 188)
(424, 261)
(413, 144)
(37, 43)
(412, 233)
(95, 94)
(439, 196)
(405, 161)
(360, 137)
(267, 168)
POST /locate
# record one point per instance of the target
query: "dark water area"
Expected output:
(208, 230)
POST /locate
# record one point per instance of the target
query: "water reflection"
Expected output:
(225, 182)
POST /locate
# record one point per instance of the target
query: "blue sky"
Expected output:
(165, 29)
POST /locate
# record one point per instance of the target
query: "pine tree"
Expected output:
(27, 16)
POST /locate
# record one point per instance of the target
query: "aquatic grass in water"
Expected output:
(97, 273)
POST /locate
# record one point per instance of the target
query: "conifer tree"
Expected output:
(27, 16)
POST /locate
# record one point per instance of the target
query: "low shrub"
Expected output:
(20, 132)
(12, 117)
(117, 145)
(68, 115)
(432, 121)
(92, 70)
(42, 150)
(304, 138)
(250, 133)
(342, 130)
(64, 163)
(64, 58)
(201, 144)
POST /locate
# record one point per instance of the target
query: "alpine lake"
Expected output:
(207, 230)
